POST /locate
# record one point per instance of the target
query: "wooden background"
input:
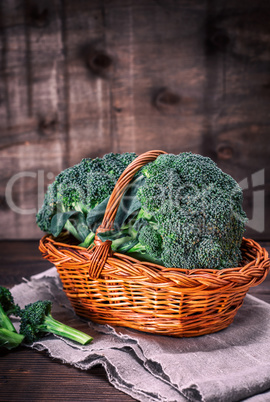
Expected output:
(83, 78)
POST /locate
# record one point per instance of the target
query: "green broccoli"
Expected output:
(7, 307)
(179, 211)
(36, 319)
(77, 199)
(197, 211)
(190, 217)
(9, 338)
(145, 243)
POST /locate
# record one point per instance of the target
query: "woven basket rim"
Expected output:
(258, 260)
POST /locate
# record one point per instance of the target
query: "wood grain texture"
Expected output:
(81, 79)
(28, 376)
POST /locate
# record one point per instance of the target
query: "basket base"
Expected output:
(184, 327)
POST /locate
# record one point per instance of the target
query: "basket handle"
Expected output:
(103, 249)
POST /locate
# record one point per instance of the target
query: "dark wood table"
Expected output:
(28, 375)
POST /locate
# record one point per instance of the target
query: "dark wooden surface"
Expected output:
(83, 78)
(28, 375)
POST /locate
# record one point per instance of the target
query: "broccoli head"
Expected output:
(71, 199)
(36, 319)
(196, 212)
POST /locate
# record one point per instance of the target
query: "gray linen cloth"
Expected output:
(231, 365)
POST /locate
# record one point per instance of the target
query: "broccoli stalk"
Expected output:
(9, 338)
(36, 319)
(144, 243)
(7, 307)
(5, 321)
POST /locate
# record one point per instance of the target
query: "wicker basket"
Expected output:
(113, 288)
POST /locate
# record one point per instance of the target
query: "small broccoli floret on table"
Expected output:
(36, 319)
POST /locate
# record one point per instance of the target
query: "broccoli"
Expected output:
(36, 319)
(190, 217)
(197, 212)
(9, 338)
(144, 241)
(77, 199)
(179, 211)
(7, 307)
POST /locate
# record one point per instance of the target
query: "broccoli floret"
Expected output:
(75, 193)
(197, 211)
(9, 338)
(148, 243)
(48, 209)
(36, 319)
(151, 240)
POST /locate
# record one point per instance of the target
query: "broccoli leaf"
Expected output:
(59, 220)
(79, 223)
(129, 203)
(95, 215)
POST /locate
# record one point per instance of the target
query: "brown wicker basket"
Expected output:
(113, 288)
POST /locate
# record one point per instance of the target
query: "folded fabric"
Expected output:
(230, 365)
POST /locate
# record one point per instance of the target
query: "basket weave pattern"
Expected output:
(116, 289)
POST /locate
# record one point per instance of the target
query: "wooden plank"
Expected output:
(237, 100)
(80, 79)
(25, 178)
(88, 93)
(151, 96)
(28, 375)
